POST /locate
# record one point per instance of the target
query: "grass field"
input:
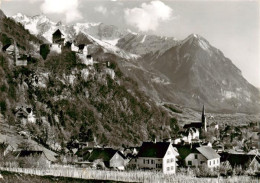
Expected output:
(88, 175)
(10, 177)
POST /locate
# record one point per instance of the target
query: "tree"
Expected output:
(174, 126)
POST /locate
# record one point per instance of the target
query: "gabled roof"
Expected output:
(257, 158)
(243, 160)
(5, 47)
(57, 32)
(208, 152)
(25, 153)
(37, 154)
(193, 125)
(153, 150)
(185, 150)
(103, 153)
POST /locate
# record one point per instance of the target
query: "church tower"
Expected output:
(203, 120)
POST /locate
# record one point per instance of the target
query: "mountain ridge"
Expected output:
(178, 71)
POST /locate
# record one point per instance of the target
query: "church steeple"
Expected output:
(204, 120)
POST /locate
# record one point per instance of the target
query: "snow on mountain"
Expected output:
(105, 36)
(109, 48)
(146, 44)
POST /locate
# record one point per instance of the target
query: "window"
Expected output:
(158, 165)
(144, 161)
(172, 160)
(168, 160)
(147, 161)
(171, 167)
(213, 162)
(169, 152)
(201, 162)
(168, 168)
(189, 163)
(196, 156)
(209, 162)
(152, 161)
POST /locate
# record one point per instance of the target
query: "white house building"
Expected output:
(160, 156)
(203, 155)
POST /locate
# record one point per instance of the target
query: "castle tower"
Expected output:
(204, 120)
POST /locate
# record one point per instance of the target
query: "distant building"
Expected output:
(159, 156)
(12, 50)
(40, 157)
(25, 114)
(83, 49)
(22, 60)
(110, 157)
(189, 135)
(245, 161)
(67, 46)
(5, 149)
(201, 126)
(74, 48)
(214, 125)
(58, 38)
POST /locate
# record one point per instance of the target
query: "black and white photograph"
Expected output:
(129, 91)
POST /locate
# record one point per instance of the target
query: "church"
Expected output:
(201, 126)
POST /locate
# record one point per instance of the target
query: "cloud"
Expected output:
(148, 16)
(67, 7)
(101, 9)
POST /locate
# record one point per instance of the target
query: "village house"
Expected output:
(131, 152)
(159, 156)
(110, 157)
(22, 60)
(25, 115)
(83, 49)
(39, 157)
(244, 161)
(5, 149)
(67, 46)
(10, 49)
(188, 136)
(74, 48)
(214, 125)
(197, 156)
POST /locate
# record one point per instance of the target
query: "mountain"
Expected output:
(142, 44)
(192, 72)
(189, 72)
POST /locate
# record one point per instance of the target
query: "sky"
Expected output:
(231, 26)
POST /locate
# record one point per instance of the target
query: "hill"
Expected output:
(73, 100)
